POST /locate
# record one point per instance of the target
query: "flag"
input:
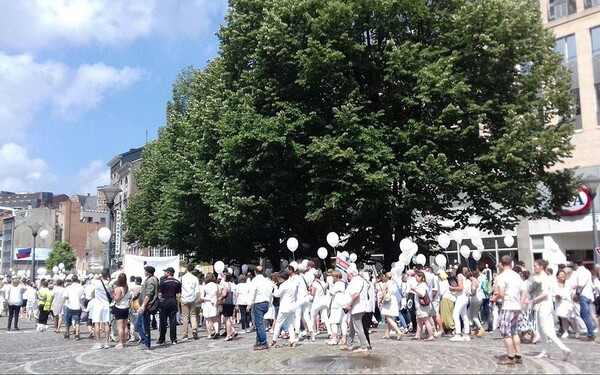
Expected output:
(342, 263)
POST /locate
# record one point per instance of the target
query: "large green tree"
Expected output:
(371, 118)
(62, 252)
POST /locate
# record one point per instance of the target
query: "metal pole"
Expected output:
(107, 250)
(595, 234)
(33, 260)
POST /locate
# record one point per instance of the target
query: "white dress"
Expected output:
(564, 305)
(209, 308)
(270, 315)
(390, 308)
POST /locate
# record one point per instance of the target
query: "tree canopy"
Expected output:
(62, 252)
(371, 118)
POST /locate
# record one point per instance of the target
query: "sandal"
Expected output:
(415, 338)
(386, 337)
(429, 339)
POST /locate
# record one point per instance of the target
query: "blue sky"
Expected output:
(81, 81)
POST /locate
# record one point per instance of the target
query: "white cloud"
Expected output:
(92, 176)
(19, 172)
(48, 24)
(28, 86)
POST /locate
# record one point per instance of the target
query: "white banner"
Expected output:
(118, 221)
(133, 265)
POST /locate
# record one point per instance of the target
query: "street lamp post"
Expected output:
(592, 182)
(35, 227)
(110, 193)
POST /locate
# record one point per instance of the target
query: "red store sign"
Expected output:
(580, 203)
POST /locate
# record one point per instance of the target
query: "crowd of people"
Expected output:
(302, 302)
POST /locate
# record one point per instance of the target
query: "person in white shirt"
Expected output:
(58, 304)
(101, 311)
(337, 315)
(584, 288)
(31, 296)
(542, 302)
(260, 296)
(242, 291)
(190, 288)
(304, 300)
(508, 287)
(357, 290)
(321, 301)
(286, 291)
(210, 291)
(462, 291)
(13, 293)
(74, 296)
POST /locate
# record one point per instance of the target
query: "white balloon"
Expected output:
(333, 239)
(457, 235)
(477, 241)
(322, 253)
(480, 246)
(292, 244)
(353, 257)
(104, 234)
(61, 266)
(284, 263)
(476, 255)
(405, 245)
(346, 255)
(41, 271)
(444, 240)
(55, 269)
(421, 259)
(245, 268)
(509, 241)
(229, 270)
(465, 251)
(440, 260)
(414, 248)
(219, 266)
(404, 258)
(268, 272)
(44, 234)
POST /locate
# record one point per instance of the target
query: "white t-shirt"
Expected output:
(287, 294)
(99, 290)
(190, 287)
(242, 291)
(73, 294)
(543, 285)
(584, 282)
(57, 299)
(14, 294)
(358, 285)
(512, 284)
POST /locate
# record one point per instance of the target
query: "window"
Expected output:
(591, 3)
(567, 48)
(103, 221)
(561, 8)
(537, 242)
(597, 87)
(576, 101)
(167, 252)
(595, 33)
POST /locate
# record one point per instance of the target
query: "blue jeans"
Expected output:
(142, 323)
(584, 304)
(486, 313)
(259, 310)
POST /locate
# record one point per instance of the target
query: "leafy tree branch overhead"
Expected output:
(372, 118)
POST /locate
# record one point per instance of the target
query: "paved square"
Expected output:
(27, 351)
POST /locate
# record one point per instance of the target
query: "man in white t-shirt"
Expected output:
(585, 288)
(509, 288)
(74, 295)
(101, 311)
(190, 288)
(358, 292)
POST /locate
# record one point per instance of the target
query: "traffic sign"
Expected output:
(598, 251)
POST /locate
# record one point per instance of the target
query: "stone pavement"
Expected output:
(27, 351)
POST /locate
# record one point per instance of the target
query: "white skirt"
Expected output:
(270, 313)
(336, 316)
(209, 310)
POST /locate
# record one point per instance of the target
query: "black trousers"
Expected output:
(366, 322)
(13, 312)
(43, 317)
(244, 317)
(168, 311)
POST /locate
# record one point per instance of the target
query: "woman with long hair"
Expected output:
(320, 305)
(227, 303)
(122, 301)
(475, 301)
(423, 310)
(388, 302)
(242, 291)
(210, 292)
(462, 291)
(541, 300)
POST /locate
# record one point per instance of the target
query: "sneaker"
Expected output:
(360, 350)
(466, 338)
(346, 347)
(331, 342)
(97, 346)
(184, 338)
(456, 338)
(577, 336)
(173, 342)
(566, 354)
(565, 335)
(106, 346)
(132, 339)
(119, 346)
(541, 355)
(160, 343)
(302, 334)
